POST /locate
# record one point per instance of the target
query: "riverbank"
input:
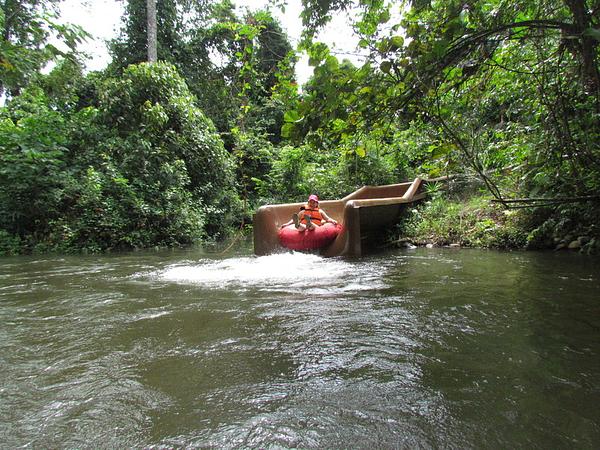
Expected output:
(475, 221)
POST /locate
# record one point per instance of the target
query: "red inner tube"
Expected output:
(321, 236)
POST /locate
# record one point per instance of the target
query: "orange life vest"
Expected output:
(315, 215)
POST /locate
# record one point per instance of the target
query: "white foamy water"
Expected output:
(286, 269)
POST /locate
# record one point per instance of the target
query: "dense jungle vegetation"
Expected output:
(502, 95)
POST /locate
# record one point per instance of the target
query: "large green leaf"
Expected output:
(385, 66)
(396, 42)
(292, 116)
(287, 130)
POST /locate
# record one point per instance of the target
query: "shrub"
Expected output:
(32, 164)
(145, 168)
(471, 222)
(157, 122)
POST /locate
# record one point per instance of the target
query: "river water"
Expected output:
(426, 348)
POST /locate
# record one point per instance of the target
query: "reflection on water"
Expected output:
(423, 348)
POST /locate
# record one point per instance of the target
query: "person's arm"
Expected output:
(327, 218)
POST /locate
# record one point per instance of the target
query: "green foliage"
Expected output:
(130, 47)
(239, 68)
(146, 168)
(285, 181)
(574, 222)
(156, 121)
(9, 244)
(470, 222)
(25, 30)
(232, 65)
(254, 155)
(32, 150)
(110, 212)
(298, 171)
(504, 91)
(500, 88)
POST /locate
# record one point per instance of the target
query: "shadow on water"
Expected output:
(423, 348)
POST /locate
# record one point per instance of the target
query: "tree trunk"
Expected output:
(589, 47)
(152, 44)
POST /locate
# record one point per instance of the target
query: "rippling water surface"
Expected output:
(406, 349)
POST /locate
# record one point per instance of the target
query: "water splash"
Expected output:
(286, 269)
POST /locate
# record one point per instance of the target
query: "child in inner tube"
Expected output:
(310, 216)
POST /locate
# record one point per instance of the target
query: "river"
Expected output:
(425, 348)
